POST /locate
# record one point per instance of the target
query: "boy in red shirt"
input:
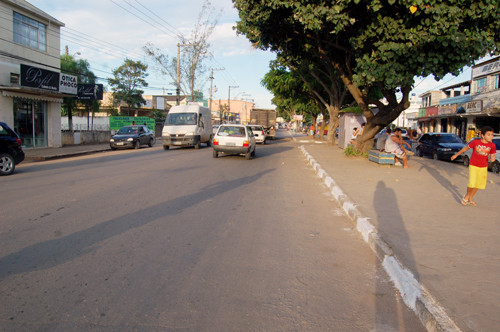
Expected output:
(478, 166)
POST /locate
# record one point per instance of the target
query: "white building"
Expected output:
(30, 97)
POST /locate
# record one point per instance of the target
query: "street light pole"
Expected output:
(179, 71)
(229, 98)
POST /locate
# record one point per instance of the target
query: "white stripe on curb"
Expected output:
(414, 295)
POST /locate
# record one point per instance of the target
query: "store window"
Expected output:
(30, 122)
(497, 81)
(29, 32)
(481, 85)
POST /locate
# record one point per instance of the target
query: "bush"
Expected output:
(350, 151)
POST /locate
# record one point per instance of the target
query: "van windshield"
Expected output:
(176, 119)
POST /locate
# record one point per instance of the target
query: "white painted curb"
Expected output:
(414, 295)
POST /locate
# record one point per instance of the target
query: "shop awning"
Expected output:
(32, 94)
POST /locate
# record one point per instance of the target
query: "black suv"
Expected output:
(11, 150)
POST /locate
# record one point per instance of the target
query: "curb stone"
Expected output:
(414, 295)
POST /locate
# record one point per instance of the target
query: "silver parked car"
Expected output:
(234, 139)
(495, 166)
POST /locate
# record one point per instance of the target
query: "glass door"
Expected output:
(30, 122)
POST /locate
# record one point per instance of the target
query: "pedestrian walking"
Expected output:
(482, 150)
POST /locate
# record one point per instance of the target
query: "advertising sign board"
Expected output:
(39, 78)
(116, 122)
(475, 106)
(90, 91)
(68, 84)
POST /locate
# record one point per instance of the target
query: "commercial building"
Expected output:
(31, 86)
(464, 108)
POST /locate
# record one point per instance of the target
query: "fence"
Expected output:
(85, 137)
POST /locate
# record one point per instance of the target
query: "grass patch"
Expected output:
(350, 151)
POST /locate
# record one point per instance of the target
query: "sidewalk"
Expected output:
(66, 151)
(452, 251)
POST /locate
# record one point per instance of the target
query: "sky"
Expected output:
(105, 32)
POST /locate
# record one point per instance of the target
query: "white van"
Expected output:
(187, 125)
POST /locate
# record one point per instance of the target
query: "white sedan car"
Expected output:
(260, 133)
(234, 139)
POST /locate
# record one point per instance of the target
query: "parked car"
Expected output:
(214, 129)
(260, 134)
(11, 150)
(495, 166)
(234, 139)
(439, 145)
(132, 137)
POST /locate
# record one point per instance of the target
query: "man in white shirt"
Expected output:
(394, 144)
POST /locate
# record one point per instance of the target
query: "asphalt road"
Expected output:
(154, 240)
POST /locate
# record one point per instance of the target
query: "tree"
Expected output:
(291, 95)
(128, 80)
(81, 69)
(193, 52)
(373, 44)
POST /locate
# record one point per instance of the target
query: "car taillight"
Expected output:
(18, 140)
(263, 132)
(245, 143)
(216, 141)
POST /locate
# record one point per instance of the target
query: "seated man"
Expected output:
(394, 144)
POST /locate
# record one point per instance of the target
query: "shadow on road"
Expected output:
(385, 199)
(55, 252)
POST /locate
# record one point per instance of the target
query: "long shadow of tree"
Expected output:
(55, 252)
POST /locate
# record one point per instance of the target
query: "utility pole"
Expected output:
(211, 86)
(229, 98)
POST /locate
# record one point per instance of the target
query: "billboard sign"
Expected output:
(90, 91)
(39, 78)
(68, 84)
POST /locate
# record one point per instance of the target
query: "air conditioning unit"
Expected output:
(14, 79)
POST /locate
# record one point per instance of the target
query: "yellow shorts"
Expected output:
(477, 177)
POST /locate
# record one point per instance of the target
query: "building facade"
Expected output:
(30, 94)
(464, 108)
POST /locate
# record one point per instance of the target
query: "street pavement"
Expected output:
(451, 251)
(442, 256)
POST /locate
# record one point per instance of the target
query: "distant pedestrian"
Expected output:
(478, 165)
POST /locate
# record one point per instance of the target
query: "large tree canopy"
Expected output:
(375, 44)
(81, 69)
(127, 82)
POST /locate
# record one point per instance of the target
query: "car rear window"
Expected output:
(232, 131)
(448, 139)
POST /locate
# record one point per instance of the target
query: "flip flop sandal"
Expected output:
(472, 203)
(465, 202)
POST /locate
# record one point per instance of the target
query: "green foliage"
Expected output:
(127, 81)
(351, 151)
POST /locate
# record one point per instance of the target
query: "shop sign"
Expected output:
(431, 111)
(474, 106)
(449, 109)
(39, 78)
(486, 69)
(116, 122)
(90, 91)
(68, 84)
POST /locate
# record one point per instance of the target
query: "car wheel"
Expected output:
(495, 168)
(166, 147)
(216, 154)
(209, 143)
(248, 155)
(137, 145)
(466, 161)
(7, 164)
(435, 155)
(150, 143)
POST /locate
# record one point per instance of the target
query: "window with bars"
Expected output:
(29, 32)
(481, 85)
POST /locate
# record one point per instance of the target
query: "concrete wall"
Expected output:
(85, 137)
